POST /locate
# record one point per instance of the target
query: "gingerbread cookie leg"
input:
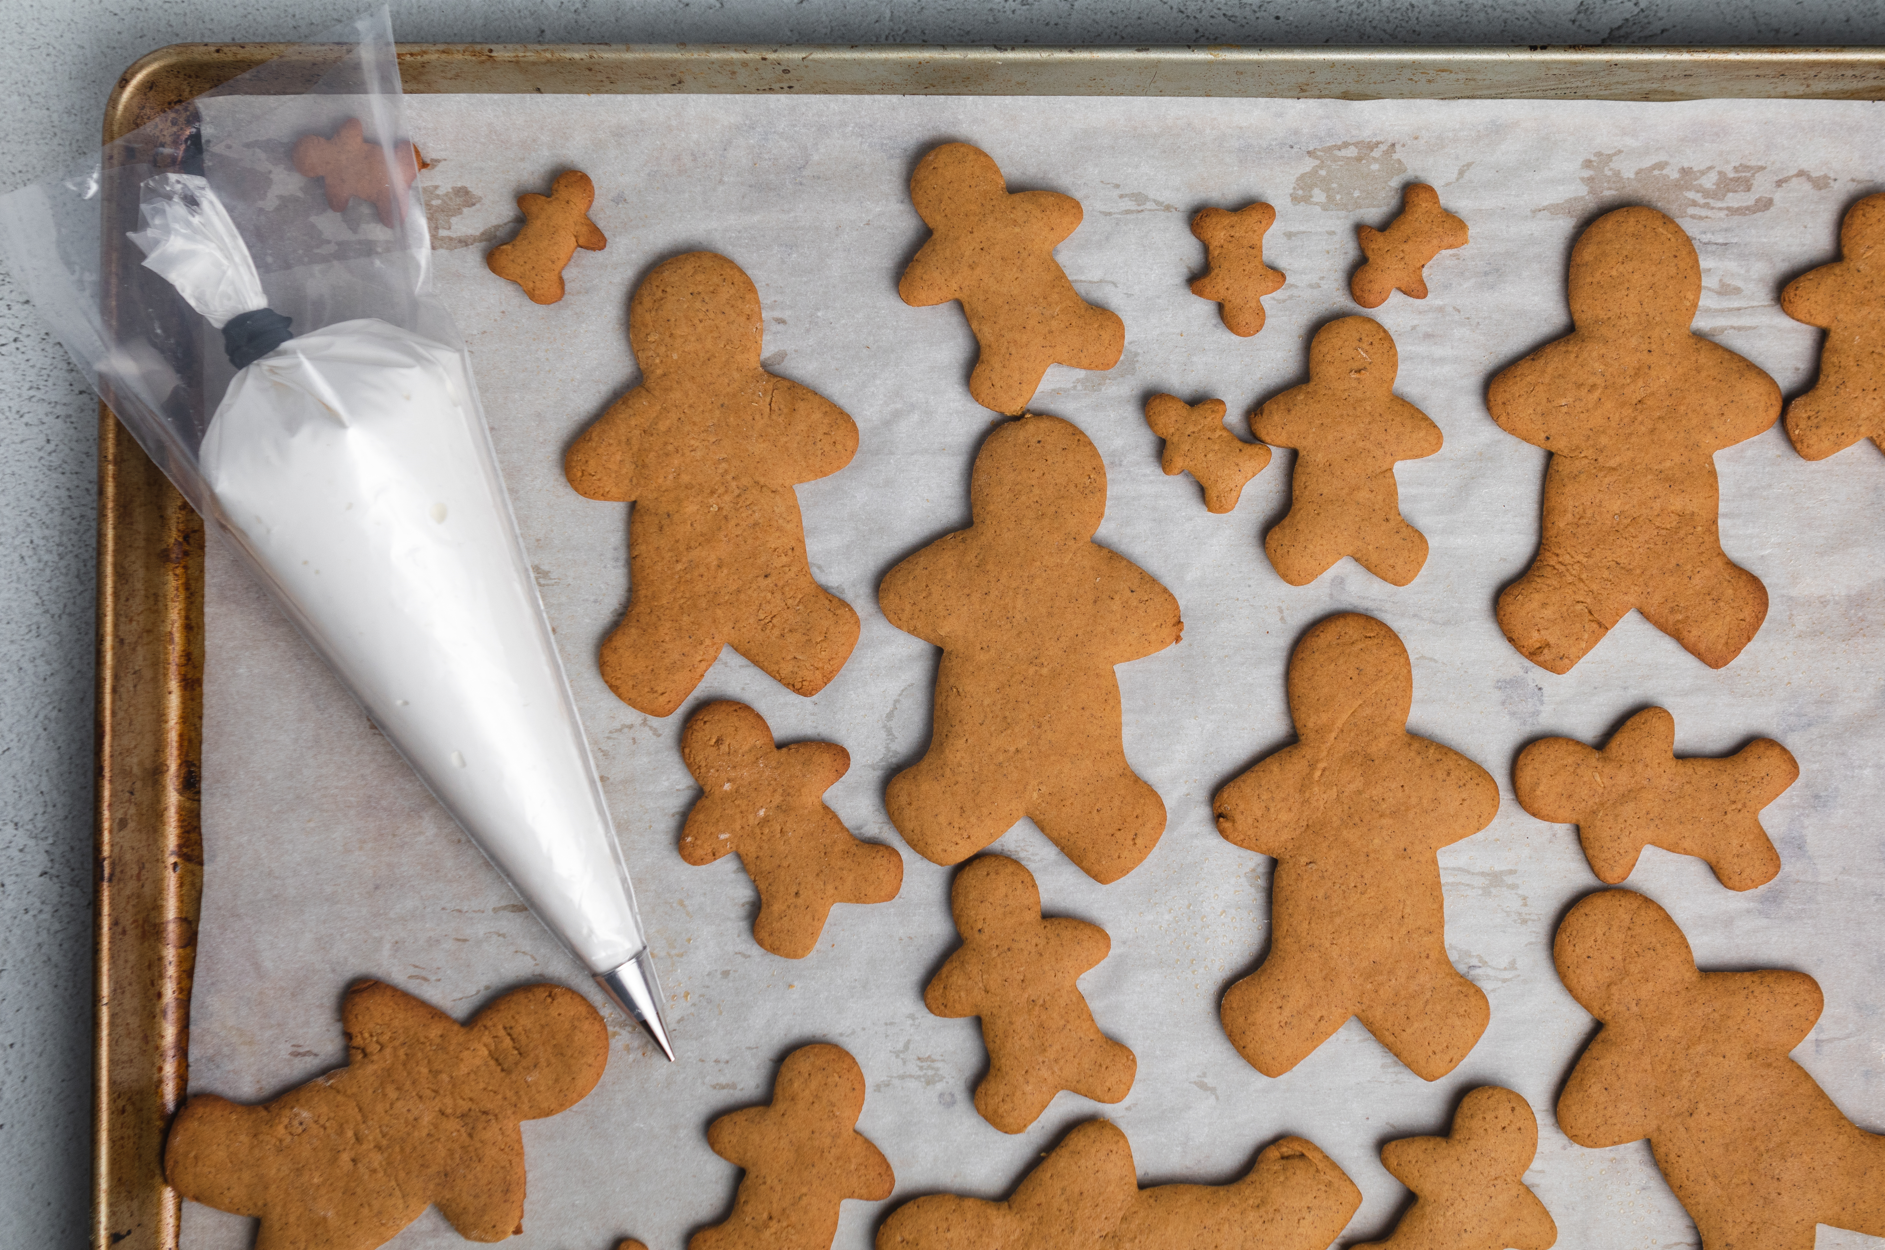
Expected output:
(806, 637)
(1104, 796)
(1714, 613)
(953, 802)
(656, 656)
(1551, 615)
(1401, 1016)
(1280, 1013)
(1389, 547)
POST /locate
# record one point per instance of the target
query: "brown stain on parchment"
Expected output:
(443, 206)
(1359, 174)
(1683, 192)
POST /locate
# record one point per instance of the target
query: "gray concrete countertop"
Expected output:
(62, 60)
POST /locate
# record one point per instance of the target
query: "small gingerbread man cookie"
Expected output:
(425, 1113)
(1635, 793)
(1349, 429)
(763, 803)
(1197, 442)
(1469, 1186)
(993, 250)
(1353, 814)
(1847, 300)
(802, 1156)
(554, 227)
(1017, 970)
(351, 168)
(1397, 255)
(1238, 279)
(1699, 1063)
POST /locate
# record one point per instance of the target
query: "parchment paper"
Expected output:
(326, 861)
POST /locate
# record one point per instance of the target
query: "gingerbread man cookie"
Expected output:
(1698, 1063)
(1354, 813)
(1348, 428)
(1635, 793)
(709, 447)
(1293, 1198)
(1632, 408)
(1031, 616)
(763, 803)
(554, 227)
(993, 250)
(1070, 1201)
(802, 1156)
(1197, 442)
(1847, 300)
(351, 168)
(1469, 1186)
(424, 1113)
(1017, 970)
(1397, 255)
(1238, 279)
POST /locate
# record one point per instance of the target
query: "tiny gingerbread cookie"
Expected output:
(1197, 442)
(1017, 971)
(1469, 1186)
(1031, 616)
(351, 168)
(1070, 1201)
(1353, 813)
(424, 1113)
(1085, 1194)
(554, 227)
(1293, 1198)
(764, 803)
(802, 1155)
(1698, 1063)
(709, 447)
(1237, 278)
(1847, 300)
(1348, 428)
(1635, 793)
(993, 250)
(1397, 255)
(1632, 408)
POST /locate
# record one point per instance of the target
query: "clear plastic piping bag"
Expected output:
(346, 455)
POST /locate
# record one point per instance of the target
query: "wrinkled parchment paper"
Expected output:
(328, 862)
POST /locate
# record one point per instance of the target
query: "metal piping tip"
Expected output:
(637, 991)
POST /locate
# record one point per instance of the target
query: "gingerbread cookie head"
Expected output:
(1040, 479)
(1617, 951)
(953, 185)
(1350, 673)
(693, 315)
(1631, 269)
(1354, 354)
(438, 1102)
(350, 168)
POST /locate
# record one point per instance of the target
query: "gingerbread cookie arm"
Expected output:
(1782, 1006)
(600, 464)
(1814, 298)
(1747, 399)
(1520, 403)
(483, 1195)
(1469, 796)
(1408, 433)
(1081, 945)
(1055, 215)
(1144, 617)
(814, 436)
(1262, 810)
(928, 278)
(907, 599)
(1606, 1101)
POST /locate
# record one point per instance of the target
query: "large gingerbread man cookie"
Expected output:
(1017, 971)
(802, 1155)
(765, 804)
(1348, 428)
(709, 447)
(993, 251)
(424, 1113)
(1635, 793)
(1353, 814)
(1847, 300)
(1031, 615)
(1698, 1062)
(1632, 407)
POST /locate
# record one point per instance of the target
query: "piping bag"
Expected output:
(352, 467)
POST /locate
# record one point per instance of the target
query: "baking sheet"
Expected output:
(326, 861)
